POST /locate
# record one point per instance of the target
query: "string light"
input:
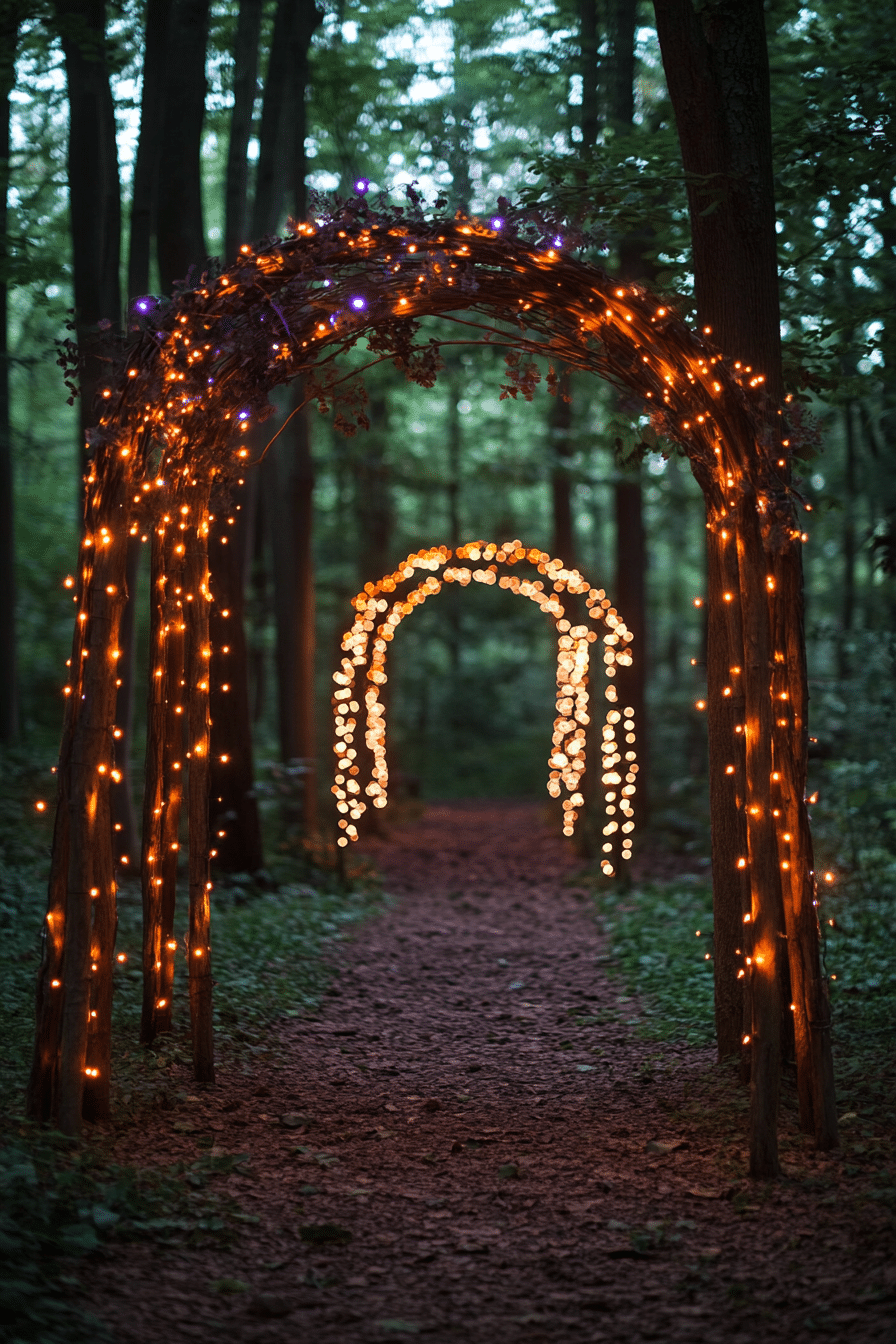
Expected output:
(379, 618)
(171, 430)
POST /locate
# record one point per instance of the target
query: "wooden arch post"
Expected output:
(202, 366)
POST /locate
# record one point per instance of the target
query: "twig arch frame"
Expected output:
(169, 437)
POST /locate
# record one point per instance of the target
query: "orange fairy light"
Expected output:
(376, 622)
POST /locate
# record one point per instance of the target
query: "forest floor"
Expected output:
(470, 1141)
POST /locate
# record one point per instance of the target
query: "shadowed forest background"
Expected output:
(143, 138)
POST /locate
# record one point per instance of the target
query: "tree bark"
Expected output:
(236, 824)
(289, 476)
(563, 542)
(149, 145)
(245, 87)
(142, 221)
(10, 18)
(272, 171)
(163, 788)
(726, 711)
(717, 72)
(88, 934)
(180, 233)
(94, 195)
(631, 541)
(198, 599)
(588, 54)
(630, 600)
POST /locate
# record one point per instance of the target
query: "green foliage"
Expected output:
(60, 1203)
(854, 823)
(289, 932)
(49, 1217)
(654, 950)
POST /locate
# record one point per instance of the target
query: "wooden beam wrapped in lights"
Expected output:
(199, 370)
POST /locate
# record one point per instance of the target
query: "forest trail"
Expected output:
(513, 1164)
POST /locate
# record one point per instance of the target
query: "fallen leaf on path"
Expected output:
(663, 1149)
(398, 1327)
(705, 1192)
(293, 1120)
(509, 1171)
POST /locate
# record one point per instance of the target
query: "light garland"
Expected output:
(376, 621)
(169, 441)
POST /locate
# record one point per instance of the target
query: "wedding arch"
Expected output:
(170, 440)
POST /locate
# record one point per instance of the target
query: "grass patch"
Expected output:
(651, 930)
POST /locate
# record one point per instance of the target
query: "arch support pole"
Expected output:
(70, 1076)
(198, 670)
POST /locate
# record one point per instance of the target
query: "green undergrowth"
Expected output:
(655, 952)
(62, 1200)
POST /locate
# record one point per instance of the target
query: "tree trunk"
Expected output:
(180, 234)
(149, 145)
(848, 543)
(272, 171)
(245, 87)
(289, 483)
(289, 505)
(236, 824)
(631, 542)
(589, 44)
(727, 805)
(164, 779)
(198, 599)
(717, 72)
(143, 202)
(72, 1063)
(94, 195)
(10, 18)
(630, 600)
(563, 542)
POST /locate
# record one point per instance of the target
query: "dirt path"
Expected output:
(473, 1107)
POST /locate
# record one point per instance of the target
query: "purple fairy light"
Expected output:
(358, 303)
(497, 223)
(244, 415)
(558, 241)
(362, 186)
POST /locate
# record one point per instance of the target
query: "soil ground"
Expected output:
(473, 1107)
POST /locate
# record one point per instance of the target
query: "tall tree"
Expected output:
(236, 823)
(717, 70)
(94, 192)
(11, 13)
(180, 232)
(289, 473)
(628, 497)
(149, 145)
(142, 228)
(245, 91)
